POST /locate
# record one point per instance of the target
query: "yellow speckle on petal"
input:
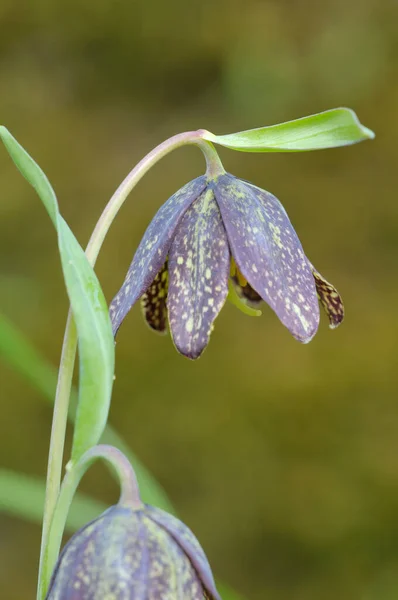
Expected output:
(302, 319)
(276, 234)
(180, 260)
(189, 325)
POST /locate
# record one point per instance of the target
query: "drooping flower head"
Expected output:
(128, 554)
(211, 232)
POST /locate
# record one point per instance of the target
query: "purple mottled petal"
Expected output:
(171, 574)
(188, 542)
(269, 254)
(153, 302)
(152, 251)
(198, 275)
(93, 563)
(125, 555)
(330, 299)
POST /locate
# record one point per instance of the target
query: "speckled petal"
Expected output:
(269, 254)
(188, 542)
(171, 573)
(330, 299)
(198, 275)
(153, 302)
(125, 555)
(152, 251)
(105, 557)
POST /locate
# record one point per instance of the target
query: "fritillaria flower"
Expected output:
(129, 554)
(212, 233)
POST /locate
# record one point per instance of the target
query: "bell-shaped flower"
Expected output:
(130, 554)
(212, 233)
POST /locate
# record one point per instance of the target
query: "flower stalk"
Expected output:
(213, 168)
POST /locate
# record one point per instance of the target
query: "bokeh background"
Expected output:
(282, 458)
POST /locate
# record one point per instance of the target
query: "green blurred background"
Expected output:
(281, 457)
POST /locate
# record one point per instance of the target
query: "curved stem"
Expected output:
(129, 497)
(61, 403)
(213, 164)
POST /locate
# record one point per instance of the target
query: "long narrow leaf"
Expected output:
(96, 346)
(23, 497)
(22, 356)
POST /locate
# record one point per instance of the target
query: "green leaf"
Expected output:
(96, 346)
(329, 129)
(20, 354)
(23, 496)
(23, 357)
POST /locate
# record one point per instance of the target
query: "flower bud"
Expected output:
(129, 554)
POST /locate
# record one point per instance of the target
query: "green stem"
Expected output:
(61, 403)
(58, 432)
(129, 497)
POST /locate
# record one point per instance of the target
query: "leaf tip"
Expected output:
(367, 133)
(3, 132)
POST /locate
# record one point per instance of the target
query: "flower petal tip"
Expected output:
(335, 325)
(190, 352)
(330, 299)
(305, 336)
(308, 339)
